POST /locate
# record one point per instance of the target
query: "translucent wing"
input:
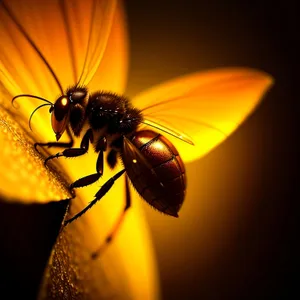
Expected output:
(203, 108)
(72, 36)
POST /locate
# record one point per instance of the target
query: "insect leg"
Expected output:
(103, 190)
(112, 158)
(57, 144)
(74, 152)
(87, 180)
(117, 225)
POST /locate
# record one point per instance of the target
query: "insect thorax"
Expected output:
(113, 112)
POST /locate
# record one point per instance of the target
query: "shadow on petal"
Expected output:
(27, 235)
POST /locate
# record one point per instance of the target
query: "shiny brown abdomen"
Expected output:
(156, 170)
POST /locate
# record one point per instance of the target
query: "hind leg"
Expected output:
(117, 225)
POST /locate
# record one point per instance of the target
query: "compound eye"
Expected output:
(60, 116)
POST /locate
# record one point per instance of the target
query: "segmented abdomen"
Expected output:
(158, 174)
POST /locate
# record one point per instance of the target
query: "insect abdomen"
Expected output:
(159, 174)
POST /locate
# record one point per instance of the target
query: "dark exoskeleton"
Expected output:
(150, 161)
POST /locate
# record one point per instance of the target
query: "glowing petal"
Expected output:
(22, 172)
(112, 72)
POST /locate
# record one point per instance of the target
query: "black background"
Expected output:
(169, 38)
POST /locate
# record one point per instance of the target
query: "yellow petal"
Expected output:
(23, 175)
(112, 72)
(124, 271)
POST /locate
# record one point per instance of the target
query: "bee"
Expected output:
(152, 134)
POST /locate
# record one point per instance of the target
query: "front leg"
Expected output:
(57, 144)
(74, 152)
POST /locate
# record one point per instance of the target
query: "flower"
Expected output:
(127, 268)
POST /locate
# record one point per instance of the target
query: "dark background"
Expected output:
(235, 238)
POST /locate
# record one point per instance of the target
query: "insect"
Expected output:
(60, 55)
